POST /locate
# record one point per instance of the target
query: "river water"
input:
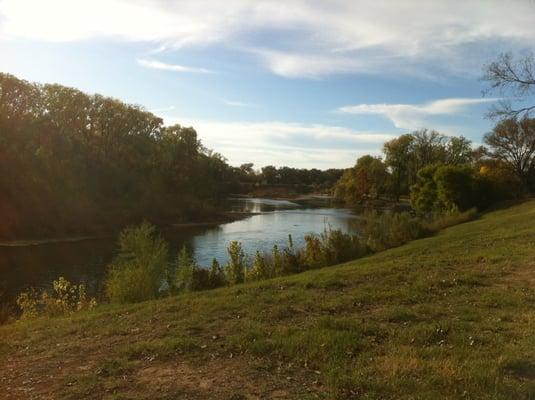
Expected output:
(85, 261)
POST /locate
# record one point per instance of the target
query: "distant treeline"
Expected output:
(442, 172)
(271, 175)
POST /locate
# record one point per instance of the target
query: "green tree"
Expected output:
(445, 188)
(398, 160)
(366, 180)
(424, 197)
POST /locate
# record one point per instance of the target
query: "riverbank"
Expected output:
(450, 316)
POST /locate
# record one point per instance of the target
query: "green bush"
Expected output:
(185, 271)
(261, 268)
(235, 269)
(65, 298)
(391, 229)
(138, 271)
(216, 275)
(331, 247)
(339, 247)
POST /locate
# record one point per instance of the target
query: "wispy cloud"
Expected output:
(413, 116)
(234, 103)
(320, 38)
(161, 110)
(154, 64)
(286, 143)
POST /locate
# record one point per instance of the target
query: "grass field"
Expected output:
(447, 317)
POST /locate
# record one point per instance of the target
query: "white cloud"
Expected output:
(154, 64)
(163, 109)
(292, 38)
(234, 103)
(281, 143)
(413, 116)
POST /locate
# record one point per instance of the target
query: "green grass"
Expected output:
(451, 317)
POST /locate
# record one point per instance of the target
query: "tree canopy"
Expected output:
(73, 161)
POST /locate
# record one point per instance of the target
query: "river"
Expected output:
(85, 261)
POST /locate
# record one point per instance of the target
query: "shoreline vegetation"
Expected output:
(143, 261)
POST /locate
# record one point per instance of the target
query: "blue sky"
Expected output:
(299, 83)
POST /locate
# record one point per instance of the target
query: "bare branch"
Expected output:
(511, 78)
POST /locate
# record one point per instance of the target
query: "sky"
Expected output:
(291, 82)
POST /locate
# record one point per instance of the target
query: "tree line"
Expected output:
(272, 175)
(441, 172)
(72, 160)
(78, 163)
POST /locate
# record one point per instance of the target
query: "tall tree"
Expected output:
(513, 141)
(398, 159)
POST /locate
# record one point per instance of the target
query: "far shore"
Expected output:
(224, 218)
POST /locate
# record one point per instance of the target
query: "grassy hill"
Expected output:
(449, 317)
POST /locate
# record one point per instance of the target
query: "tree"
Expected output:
(512, 77)
(398, 160)
(455, 187)
(513, 142)
(424, 191)
(445, 188)
(270, 174)
(87, 161)
(428, 147)
(367, 179)
(459, 151)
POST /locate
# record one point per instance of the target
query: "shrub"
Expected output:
(185, 270)
(391, 229)
(200, 279)
(331, 247)
(138, 271)
(455, 187)
(424, 191)
(276, 261)
(290, 259)
(339, 247)
(261, 268)
(235, 269)
(312, 254)
(216, 276)
(443, 220)
(65, 298)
